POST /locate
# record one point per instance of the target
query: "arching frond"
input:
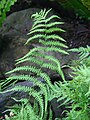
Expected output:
(53, 43)
(45, 31)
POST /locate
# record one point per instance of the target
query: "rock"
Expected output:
(13, 37)
(58, 111)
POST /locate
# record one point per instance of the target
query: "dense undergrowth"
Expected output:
(74, 94)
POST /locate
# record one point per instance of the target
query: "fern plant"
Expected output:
(49, 41)
(25, 111)
(4, 8)
(76, 93)
(43, 30)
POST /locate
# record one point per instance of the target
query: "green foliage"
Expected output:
(49, 42)
(83, 54)
(4, 8)
(75, 94)
(25, 111)
(43, 30)
(77, 91)
(81, 7)
(86, 3)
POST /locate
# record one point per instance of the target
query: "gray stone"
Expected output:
(13, 37)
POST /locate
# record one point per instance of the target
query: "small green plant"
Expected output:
(4, 8)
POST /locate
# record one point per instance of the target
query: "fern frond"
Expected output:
(28, 54)
(83, 52)
(53, 43)
(52, 24)
(38, 22)
(39, 98)
(54, 63)
(43, 31)
(53, 29)
(38, 26)
(44, 92)
(52, 17)
(46, 12)
(45, 49)
(23, 77)
(50, 30)
(55, 37)
(45, 21)
(19, 88)
(37, 16)
(47, 79)
(25, 68)
(38, 30)
(34, 70)
(34, 93)
(8, 83)
(31, 59)
(50, 66)
(35, 37)
(55, 49)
